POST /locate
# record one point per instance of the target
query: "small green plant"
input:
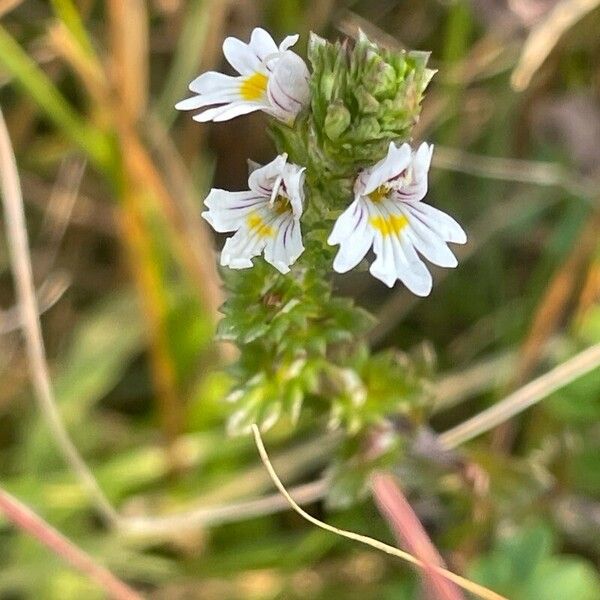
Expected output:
(345, 175)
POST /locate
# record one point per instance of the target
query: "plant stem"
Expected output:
(16, 235)
(26, 520)
(470, 586)
(523, 398)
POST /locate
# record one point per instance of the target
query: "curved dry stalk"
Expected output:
(16, 235)
(523, 398)
(470, 586)
(545, 36)
(48, 294)
(26, 520)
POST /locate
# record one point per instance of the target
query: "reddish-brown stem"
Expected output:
(26, 520)
(410, 532)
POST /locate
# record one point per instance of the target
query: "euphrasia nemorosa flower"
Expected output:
(272, 79)
(388, 214)
(264, 218)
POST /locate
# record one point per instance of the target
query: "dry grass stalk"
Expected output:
(523, 398)
(470, 586)
(130, 45)
(544, 37)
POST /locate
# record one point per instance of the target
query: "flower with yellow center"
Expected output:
(266, 218)
(272, 79)
(387, 214)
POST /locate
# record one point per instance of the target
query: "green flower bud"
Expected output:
(337, 120)
(362, 98)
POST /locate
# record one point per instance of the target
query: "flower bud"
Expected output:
(363, 97)
(337, 120)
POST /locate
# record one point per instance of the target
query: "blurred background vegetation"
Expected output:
(113, 181)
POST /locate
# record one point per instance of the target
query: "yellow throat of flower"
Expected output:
(256, 223)
(390, 224)
(254, 86)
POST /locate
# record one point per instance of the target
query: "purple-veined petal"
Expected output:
(288, 89)
(228, 210)
(429, 244)
(439, 222)
(395, 163)
(261, 180)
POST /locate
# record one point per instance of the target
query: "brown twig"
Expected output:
(26, 520)
(409, 531)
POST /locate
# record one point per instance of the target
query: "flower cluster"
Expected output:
(387, 213)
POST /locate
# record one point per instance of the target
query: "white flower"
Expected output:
(387, 213)
(267, 217)
(271, 79)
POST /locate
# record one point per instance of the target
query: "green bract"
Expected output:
(362, 98)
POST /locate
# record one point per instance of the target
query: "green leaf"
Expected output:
(42, 91)
(522, 567)
(196, 26)
(68, 13)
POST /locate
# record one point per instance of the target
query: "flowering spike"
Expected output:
(299, 344)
